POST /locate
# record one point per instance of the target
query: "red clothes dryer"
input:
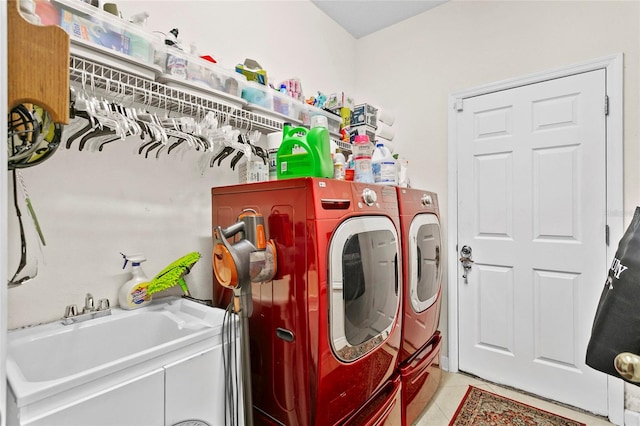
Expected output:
(419, 357)
(325, 332)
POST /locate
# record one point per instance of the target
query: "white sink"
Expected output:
(47, 359)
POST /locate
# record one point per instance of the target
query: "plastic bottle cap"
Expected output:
(361, 138)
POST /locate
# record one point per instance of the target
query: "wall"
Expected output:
(288, 38)
(92, 206)
(416, 64)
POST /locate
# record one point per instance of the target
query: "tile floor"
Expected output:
(453, 387)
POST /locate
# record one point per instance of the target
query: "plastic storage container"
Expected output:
(301, 111)
(362, 159)
(304, 153)
(333, 120)
(283, 104)
(194, 72)
(258, 95)
(384, 167)
(172, 61)
(93, 27)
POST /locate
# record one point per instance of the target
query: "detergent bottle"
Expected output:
(273, 143)
(304, 153)
(133, 294)
(362, 157)
(319, 135)
(384, 166)
(349, 170)
(339, 165)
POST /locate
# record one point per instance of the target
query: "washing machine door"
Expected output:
(425, 269)
(364, 285)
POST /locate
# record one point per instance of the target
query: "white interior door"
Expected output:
(532, 207)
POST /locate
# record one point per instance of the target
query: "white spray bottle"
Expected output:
(133, 294)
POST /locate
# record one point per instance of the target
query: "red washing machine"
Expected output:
(419, 359)
(325, 332)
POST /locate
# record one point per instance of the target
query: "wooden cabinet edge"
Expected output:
(38, 65)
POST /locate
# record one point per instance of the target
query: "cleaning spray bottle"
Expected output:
(133, 294)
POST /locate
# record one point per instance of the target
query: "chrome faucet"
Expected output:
(89, 311)
(88, 304)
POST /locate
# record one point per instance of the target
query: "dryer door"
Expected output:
(364, 285)
(425, 269)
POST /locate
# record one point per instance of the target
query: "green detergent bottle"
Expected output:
(304, 153)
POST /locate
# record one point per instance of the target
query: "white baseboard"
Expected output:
(444, 363)
(631, 418)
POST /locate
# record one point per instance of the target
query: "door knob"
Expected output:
(465, 259)
(628, 366)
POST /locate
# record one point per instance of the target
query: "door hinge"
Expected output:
(458, 105)
(606, 105)
(606, 234)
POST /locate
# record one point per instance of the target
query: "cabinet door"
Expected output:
(138, 402)
(195, 389)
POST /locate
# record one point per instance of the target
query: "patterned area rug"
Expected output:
(483, 408)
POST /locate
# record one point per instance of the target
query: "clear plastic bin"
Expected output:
(179, 65)
(301, 112)
(334, 121)
(283, 104)
(258, 95)
(98, 28)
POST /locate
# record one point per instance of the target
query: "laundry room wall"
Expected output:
(94, 205)
(413, 66)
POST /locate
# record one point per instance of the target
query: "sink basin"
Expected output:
(51, 358)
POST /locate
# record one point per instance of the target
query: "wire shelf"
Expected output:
(128, 87)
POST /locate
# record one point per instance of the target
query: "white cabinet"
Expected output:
(137, 402)
(187, 389)
(194, 389)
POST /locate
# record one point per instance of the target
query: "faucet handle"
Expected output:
(103, 304)
(71, 311)
(89, 306)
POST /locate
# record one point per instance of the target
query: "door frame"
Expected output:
(613, 65)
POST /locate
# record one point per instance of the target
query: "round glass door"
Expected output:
(364, 284)
(425, 270)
